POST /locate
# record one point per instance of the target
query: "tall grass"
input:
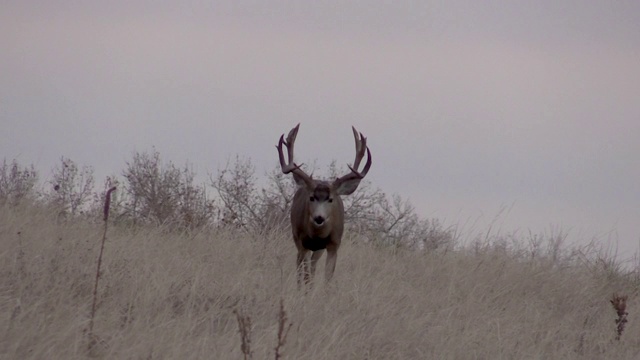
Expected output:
(166, 295)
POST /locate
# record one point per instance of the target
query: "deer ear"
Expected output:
(347, 187)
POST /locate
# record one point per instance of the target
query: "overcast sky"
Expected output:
(469, 106)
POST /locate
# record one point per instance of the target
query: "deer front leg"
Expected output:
(314, 260)
(332, 256)
(302, 265)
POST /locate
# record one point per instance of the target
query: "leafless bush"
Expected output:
(237, 190)
(195, 209)
(71, 187)
(275, 200)
(393, 221)
(165, 194)
(152, 188)
(16, 182)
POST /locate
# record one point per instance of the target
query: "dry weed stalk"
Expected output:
(107, 204)
(620, 306)
(283, 330)
(244, 327)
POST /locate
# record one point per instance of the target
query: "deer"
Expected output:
(317, 211)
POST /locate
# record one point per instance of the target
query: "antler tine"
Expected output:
(283, 164)
(291, 139)
(361, 147)
(290, 166)
(365, 170)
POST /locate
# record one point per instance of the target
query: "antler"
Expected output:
(290, 166)
(361, 148)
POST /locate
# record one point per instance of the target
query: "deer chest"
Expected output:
(315, 243)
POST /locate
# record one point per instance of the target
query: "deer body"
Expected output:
(317, 211)
(312, 237)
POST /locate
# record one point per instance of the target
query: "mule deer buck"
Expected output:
(317, 212)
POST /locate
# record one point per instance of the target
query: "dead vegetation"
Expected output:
(619, 303)
(200, 286)
(225, 294)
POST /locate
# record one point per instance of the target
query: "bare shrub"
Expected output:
(393, 221)
(71, 187)
(164, 194)
(16, 182)
(152, 187)
(275, 200)
(195, 209)
(237, 190)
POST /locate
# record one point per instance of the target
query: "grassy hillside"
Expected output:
(181, 296)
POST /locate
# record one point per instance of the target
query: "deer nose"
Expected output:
(319, 220)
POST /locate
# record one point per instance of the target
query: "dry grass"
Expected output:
(168, 296)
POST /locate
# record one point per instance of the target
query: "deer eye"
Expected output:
(330, 200)
(312, 199)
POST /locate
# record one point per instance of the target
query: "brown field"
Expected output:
(180, 296)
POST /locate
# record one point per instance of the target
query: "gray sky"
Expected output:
(469, 106)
